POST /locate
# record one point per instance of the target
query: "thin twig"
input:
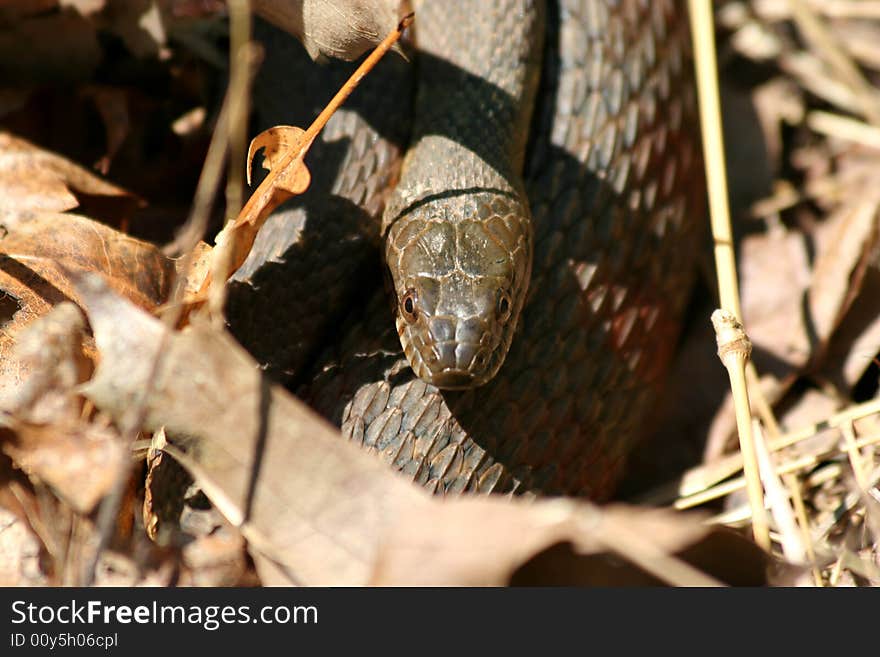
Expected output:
(794, 465)
(791, 536)
(239, 48)
(703, 32)
(855, 456)
(734, 349)
(206, 190)
(793, 485)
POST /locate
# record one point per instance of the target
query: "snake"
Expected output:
(486, 281)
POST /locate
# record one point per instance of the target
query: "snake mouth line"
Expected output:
(453, 379)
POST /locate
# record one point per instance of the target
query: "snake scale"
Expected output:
(581, 114)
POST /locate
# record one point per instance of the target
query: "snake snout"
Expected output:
(460, 351)
(452, 348)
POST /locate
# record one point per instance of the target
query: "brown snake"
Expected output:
(611, 176)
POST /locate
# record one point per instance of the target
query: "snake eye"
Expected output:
(503, 309)
(408, 306)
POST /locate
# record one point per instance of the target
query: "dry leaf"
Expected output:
(60, 48)
(112, 105)
(215, 560)
(19, 553)
(207, 387)
(795, 292)
(46, 435)
(856, 343)
(32, 179)
(78, 461)
(285, 148)
(483, 541)
(808, 408)
(52, 347)
(85, 7)
(18, 9)
(39, 250)
(195, 8)
(343, 29)
(139, 24)
(21, 550)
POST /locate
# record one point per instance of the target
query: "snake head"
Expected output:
(460, 288)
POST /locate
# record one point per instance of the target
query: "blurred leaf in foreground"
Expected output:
(316, 509)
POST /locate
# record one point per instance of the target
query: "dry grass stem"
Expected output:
(824, 42)
(777, 496)
(855, 456)
(843, 127)
(703, 31)
(734, 350)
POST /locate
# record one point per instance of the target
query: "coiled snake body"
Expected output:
(570, 242)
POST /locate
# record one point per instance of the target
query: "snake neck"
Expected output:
(478, 67)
